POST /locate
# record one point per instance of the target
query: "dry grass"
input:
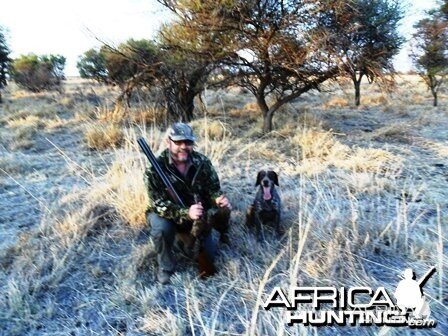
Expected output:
(149, 115)
(33, 122)
(437, 148)
(141, 115)
(267, 151)
(319, 150)
(111, 115)
(20, 138)
(318, 144)
(370, 160)
(213, 129)
(29, 121)
(249, 111)
(101, 137)
(15, 164)
(375, 100)
(214, 138)
(125, 182)
(397, 131)
(367, 182)
(355, 214)
(308, 119)
(223, 102)
(336, 102)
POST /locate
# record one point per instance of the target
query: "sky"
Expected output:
(71, 27)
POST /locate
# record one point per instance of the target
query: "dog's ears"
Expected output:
(273, 176)
(260, 176)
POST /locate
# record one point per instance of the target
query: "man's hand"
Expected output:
(223, 202)
(196, 211)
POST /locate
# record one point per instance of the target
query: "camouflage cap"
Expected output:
(180, 131)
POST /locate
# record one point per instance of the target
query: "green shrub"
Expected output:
(38, 73)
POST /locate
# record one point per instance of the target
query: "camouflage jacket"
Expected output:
(201, 180)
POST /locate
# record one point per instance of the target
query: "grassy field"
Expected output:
(363, 190)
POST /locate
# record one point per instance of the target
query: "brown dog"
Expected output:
(266, 208)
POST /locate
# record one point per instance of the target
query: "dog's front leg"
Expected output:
(250, 217)
(277, 225)
(259, 227)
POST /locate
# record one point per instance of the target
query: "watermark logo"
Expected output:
(327, 306)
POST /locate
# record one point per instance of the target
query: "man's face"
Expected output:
(180, 150)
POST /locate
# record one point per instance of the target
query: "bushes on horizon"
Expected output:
(38, 73)
(125, 66)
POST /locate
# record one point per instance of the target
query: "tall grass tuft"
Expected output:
(101, 137)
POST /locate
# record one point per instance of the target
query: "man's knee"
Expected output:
(160, 226)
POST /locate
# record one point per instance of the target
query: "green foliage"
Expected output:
(444, 9)
(93, 65)
(183, 69)
(116, 66)
(367, 38)
(129, 66)
(38, 73)
(143, 63)
(430, 52)
(272, 48)
(4, 60)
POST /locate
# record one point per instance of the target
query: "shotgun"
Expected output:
(206, 266)
(426, 276)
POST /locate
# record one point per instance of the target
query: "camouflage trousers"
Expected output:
(166, 234)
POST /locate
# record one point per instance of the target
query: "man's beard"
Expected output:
(181, 156)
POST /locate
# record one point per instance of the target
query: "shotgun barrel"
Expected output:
(426, 276)
(169, 187)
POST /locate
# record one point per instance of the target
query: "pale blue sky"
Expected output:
(69, 27)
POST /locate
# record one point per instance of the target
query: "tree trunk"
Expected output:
(1, 101)
(267, 122)
(357, 84)
(180, 104)
(188, 106)
(433, 86)
(125, 96)
(357, 94)
(435, 101)
(267, 115)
